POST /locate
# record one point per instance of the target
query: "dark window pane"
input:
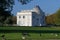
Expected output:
(19, 16)
(23, 16)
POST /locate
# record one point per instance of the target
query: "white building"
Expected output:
(34, 17)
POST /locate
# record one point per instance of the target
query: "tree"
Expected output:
(24, 1)
(54, 18)
(5, 9)
(57, 17)
(6, 6)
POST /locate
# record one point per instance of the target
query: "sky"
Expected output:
(48, 6)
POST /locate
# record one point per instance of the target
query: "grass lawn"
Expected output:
(33, 36)
(29, 28)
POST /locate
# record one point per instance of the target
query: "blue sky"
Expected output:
(48, 6)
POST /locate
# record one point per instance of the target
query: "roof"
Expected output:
(36, 9)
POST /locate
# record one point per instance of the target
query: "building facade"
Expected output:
(34, 17)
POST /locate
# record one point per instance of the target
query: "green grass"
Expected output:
(34, 36)
(11, 35)
(29, 28)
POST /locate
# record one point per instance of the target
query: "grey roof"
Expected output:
(37, 9)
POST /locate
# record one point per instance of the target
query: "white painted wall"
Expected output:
(31, 17)
(27, 21)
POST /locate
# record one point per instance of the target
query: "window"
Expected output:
(23, 16)
(33, 16)
(37, 19)
(19, 16)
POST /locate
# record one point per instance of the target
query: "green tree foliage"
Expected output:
(24, 1)
(6, 6)
(58, 13)
(8, 21)
(57, 17)
(5, 9)
(54, 18)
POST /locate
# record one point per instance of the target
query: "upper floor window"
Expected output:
(19, 16)
(23, 16)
